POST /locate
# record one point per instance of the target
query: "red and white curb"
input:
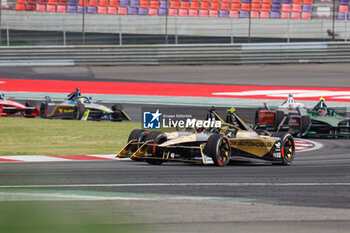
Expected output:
(301, 145)
(55, 158)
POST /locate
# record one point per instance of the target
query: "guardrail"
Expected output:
(175, 54)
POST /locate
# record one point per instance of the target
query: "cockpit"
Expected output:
(83, 99)
(289, 102)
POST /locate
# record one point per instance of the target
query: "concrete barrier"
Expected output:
(175, 54)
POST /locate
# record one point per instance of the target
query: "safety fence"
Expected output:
(43, 28)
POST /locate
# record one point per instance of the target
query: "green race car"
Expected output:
(325, 122)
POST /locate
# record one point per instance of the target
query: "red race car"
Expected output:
(13, 108)
(289, 116)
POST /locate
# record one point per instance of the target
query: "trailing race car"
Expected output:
(326, 122)
(13, 108)
(217, 145)
(289, 116)
(81, 108)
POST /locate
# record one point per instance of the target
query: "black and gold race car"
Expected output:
(211, 145)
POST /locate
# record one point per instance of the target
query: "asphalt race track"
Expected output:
(311, 195)
(320, 75)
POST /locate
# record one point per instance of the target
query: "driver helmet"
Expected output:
(290, 102)
(322, 99)
(231, 110)
(321, 112)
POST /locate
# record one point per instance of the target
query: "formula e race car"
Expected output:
(13, 108)
(289, 116)
(139, 136)
(210, 145)
(325, 122)
(80, 107)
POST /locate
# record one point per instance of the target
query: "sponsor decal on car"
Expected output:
(65, 110)
(251, 143)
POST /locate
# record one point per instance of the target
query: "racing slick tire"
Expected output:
(43, 110)
(279, 115)
(158, 138)
(117, 114)
(78, 111)
(29, 111)
(138, 134)
(219, 149)
(256, 119)
(305, 123)
(287, 148)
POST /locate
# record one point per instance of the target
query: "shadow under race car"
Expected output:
(14, 108)
(211, 145)
(81, 108)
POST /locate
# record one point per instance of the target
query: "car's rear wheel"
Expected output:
(43, 110)
(29, 111)
(305, 123)
(139, 135)
(218, 148)
(279, 115)
(157, 138)
(117, 114)
(256, 120)
(78, 111)
(287, 148)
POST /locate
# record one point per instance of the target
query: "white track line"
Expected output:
(172, 184)
(57, 196)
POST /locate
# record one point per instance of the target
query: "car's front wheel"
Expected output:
(43, 110)
(139, 135)
(157, 138)
(218, 148)
(287, 148)
(78, 112)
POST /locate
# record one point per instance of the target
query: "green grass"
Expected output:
(24, 136)
(64, 217)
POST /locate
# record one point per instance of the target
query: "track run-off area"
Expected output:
(311, 195)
